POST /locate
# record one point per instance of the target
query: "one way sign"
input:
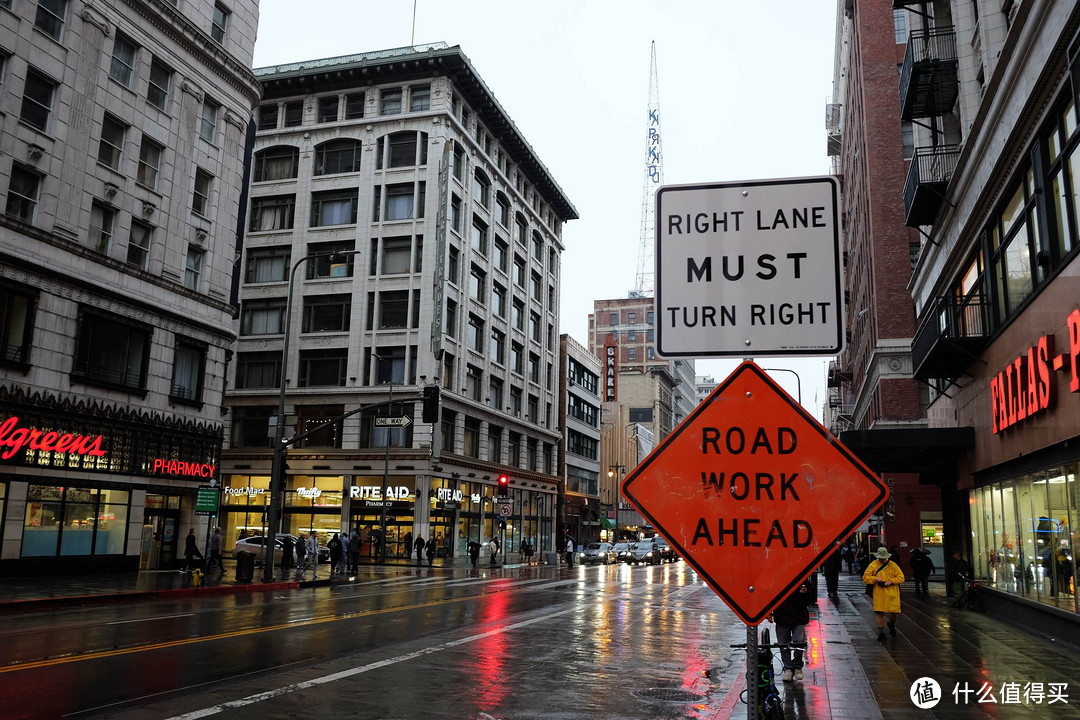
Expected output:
(403, 421)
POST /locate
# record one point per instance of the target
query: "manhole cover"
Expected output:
(670, 695)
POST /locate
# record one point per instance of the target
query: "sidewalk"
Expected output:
(18, 594)
(849, 674)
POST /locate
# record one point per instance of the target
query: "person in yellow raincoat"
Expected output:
(886, 577)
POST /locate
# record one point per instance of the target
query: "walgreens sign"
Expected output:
(14, 437)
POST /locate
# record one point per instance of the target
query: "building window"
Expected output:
(504, 210)
(189, 364)
(498, 349)
(471, 438)
(193, 266)
(326, 313)
(273, 212)
(200, 200)
(475, 337)
(402, 200)
(16, 325)
(478, 238)
(477, 281)
(268, 117)
(111, 351)
(208, 120)
(335, 260)
(336, 207)
(459, 163)
(337, 156)
(514, 449)
(102, 220)
(256, 370)
(631, 353)
(515, 401)
(138, 252)
(498, 300)
(452, 266)
(522, 229)
(122, 69)
(393, 309)
(294, 113)
(581, 445)
(534, 326)
(419, 98)
(111, 144)
(534, 368)
(404, 149)
(502, 254)
(447, 423)
(23, 193)
(900, 26)
(494, 444)
(535, 288)
(75, 521)
(328, 109)
(1015, 246)
(50, 17)
(396, 253)
(538, 247)
(455, 214)
(354, 106)
(37, 100)
(220, 23)
(391, 101)
(149, 163)
(481, 189)
(474, 380)
(518, 315)
(451, 318)
(389, 365)
(322, 368)
(268, 264)
(157, 93)
(262, 317)
(517, 357)
(310, 417)
(276, 163)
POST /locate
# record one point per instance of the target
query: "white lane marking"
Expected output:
(259, 697)
(160, 617)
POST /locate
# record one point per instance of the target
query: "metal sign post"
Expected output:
(751, 673)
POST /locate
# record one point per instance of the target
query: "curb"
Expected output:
(104, 598)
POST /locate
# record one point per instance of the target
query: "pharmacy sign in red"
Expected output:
(753, 492)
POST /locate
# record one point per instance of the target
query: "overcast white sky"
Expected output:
(743, 89)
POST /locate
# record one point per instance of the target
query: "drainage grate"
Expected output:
(670, 695)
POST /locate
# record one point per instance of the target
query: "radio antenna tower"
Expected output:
(654, 178)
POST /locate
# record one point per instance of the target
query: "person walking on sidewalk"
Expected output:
(885, 576)
(418, 546)
(922, 566)
(301, 553)
(791, 618)
(849, 558)
(215, 552)
(355, 545)
(430, 552)
(474, 551)
(313, 555)
(286, 552)
(191, 550)
(334, 546)
(831, 568)
(569, 551)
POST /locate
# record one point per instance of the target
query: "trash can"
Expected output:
(552, 558)
(245, 567)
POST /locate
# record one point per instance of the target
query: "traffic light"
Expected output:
(431, 404)
(504, 483)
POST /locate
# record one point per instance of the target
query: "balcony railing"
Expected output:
(929, 84)
(951, 338)
(930, 172)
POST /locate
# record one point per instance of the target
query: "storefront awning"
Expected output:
(931, 452)
(607, 524)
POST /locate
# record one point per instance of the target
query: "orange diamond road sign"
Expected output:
(753, 492)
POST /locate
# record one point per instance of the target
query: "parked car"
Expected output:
(667, 553)
(644, 551)
(598, 553)
(622, 551)
(255, 545)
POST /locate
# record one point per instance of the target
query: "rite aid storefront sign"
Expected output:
(749, 269)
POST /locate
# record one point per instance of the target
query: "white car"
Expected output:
(256, 544)
(598, 553)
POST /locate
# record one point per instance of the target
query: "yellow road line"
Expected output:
(220, 636)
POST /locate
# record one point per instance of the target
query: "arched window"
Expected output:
(481, 189)
(402, 149)
(276, 163)
(337, 156)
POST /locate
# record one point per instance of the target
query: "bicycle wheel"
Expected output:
(774, 709)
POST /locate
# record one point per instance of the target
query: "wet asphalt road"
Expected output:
(528, 642)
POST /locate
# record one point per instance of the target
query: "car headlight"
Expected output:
(648, 554)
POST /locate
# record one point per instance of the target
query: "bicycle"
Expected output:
(770, 704)
(969, 596)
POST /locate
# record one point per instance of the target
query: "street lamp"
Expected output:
(277, 470)
(798, 382)
(616, 471)
(386, 458)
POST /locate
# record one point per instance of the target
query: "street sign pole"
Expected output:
(751, 673)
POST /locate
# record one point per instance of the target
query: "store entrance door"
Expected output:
(160, 539)
(397, 527)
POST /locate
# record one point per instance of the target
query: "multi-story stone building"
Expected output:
(991, 91)
(446, 232)
(123, 138)
(579, 407)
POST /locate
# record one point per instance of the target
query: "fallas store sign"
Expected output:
(1026, 386)
(15, 437)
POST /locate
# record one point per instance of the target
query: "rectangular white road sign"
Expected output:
(749, 269)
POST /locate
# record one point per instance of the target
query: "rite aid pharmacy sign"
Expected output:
(749, 269)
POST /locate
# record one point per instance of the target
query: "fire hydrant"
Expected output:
(196, 578)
